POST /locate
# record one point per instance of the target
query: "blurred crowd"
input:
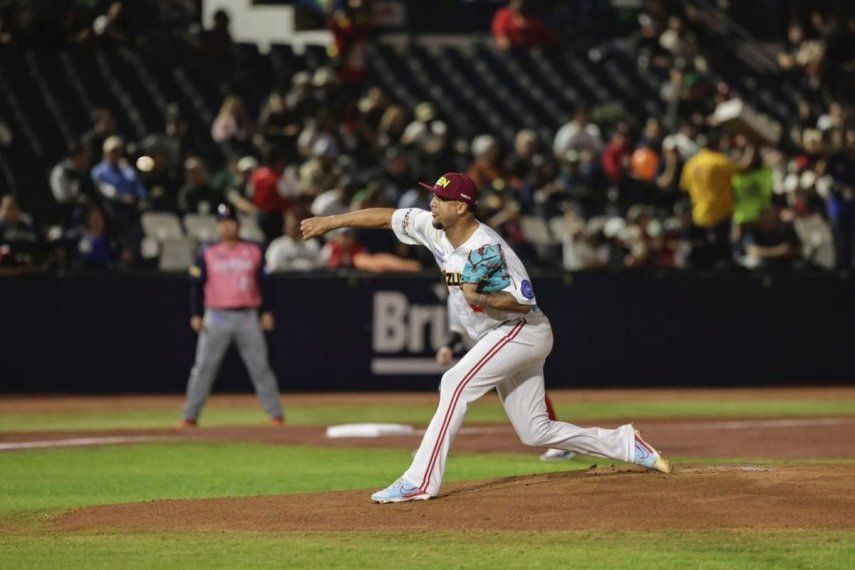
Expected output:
(673, 192)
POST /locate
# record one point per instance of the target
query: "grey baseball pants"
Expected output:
(220, 328)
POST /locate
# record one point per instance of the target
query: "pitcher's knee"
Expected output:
(536, 435)
(449, 382)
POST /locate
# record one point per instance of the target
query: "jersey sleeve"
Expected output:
(520, 285)
(455, 325)
(685, 177)
(413, 226)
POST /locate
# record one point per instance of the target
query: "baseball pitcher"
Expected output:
(494, 299)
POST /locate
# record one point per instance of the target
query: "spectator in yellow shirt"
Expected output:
(707, 178)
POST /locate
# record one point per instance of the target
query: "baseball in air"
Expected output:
(145, 164)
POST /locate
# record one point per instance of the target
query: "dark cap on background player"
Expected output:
(226, 211)
(455, 186)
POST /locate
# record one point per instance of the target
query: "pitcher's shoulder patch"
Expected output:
(527, 289)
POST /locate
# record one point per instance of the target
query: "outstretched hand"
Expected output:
(314, 227)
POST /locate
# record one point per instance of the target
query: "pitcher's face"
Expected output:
(446, 213)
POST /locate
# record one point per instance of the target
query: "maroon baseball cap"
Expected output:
(455, 186)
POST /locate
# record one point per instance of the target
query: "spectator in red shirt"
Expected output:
(516, 26)
(341, 250)
(264, 186)
(616, 154)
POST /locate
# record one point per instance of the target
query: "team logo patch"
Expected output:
(527, 289)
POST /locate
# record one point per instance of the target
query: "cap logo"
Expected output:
(443, 181)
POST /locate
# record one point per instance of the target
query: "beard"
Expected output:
(437, 225)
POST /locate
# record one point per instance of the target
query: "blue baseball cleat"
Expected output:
(398, 492)
(648, 457)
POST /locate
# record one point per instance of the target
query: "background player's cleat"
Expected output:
(398, 492)
(183, 424)
(277, 420)
(556, 455)
(648, 457)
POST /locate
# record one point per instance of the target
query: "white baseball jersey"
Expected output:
(415, 226)
(508, 356)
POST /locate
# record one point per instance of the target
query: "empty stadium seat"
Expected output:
(536, 231)
(176, 254)
(161, 226)
(201, 227)
(562, 228)
(249, 229)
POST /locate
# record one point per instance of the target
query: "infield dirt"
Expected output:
(816, 495)
(694, 498)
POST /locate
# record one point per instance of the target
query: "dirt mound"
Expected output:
(697, 497)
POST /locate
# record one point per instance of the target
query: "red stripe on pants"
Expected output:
(469, 375)
(550, 411)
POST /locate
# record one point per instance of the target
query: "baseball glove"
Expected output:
(486, 267)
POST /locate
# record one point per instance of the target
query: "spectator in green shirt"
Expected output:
(752, 192)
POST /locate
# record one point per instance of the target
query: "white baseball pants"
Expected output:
(509, 358)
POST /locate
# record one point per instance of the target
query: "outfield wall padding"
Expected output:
(130, 333)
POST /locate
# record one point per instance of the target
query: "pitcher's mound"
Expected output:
(695, 497)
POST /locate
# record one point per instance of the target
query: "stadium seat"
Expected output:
(161, 226)
(562, 228)
(201, 227)
(536, 231)
(249, 229)
(176, 254)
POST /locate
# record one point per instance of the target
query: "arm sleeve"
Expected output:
(198, 276)
(559, 142)
(59, 184)
(455, 342)
(455, 339)
(140, 189)
(413, 226)
(265, 285)
(499, 24)
(106, 189)
(684, 177)
(270, 258)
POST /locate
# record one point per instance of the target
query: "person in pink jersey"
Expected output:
(227, 305)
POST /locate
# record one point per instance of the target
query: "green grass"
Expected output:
(36, 484)
(39, 483)
(64, 478)
(480, 412)
(55, 479)
(725, 550)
